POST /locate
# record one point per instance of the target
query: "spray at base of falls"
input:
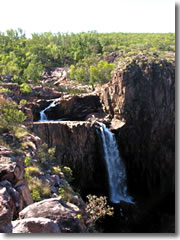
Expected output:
(43, 116)
(115, 167)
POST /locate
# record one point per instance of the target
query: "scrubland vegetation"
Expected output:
(91, 56)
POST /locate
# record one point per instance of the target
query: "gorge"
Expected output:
(141, 96)
(126, 126)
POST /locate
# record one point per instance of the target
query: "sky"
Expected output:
(88, 15)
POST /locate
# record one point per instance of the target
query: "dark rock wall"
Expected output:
(77, 146)
(75, 107)
(143, 96)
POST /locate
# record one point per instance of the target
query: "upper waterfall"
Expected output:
(43, 116)
(115, 167)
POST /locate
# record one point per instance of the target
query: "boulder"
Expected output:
(56, 210)
(14, 197)
(12, 179)
(5, 211)
(11, 166)
(25, 198)
(35, 225)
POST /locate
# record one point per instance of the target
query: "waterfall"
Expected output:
(115, 167)
(43, 116)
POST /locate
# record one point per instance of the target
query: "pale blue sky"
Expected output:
(87, 15)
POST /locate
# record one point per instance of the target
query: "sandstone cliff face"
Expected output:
(142, 95)
(77, 146)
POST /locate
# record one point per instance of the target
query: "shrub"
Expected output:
(96, 208)
(33, 182)
(72, 72)
(20, 132)
(67, 173)
(45, 190)
(79, 73)
(25, 88)
(66, 193)
(55, 170)
(23, 102)
(26, 145)
(51, 154)
(101, 73)
(75, 91)
(10, 116)
(46, 155)
(65, 170)
(36, 195)
(4, 90)
(79, 216)
(37, 187)
(27, 161)
(32, 171)
(3, 143)
(34, 70)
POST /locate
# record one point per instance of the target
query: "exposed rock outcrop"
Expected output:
(5, 211)
(12, 179)
(15, 199)
(37, 92)
(59, 77)
(56, 210)
(35, 225)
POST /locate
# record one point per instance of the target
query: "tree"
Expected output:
(10, 116)
(34, 70)
(101, 73)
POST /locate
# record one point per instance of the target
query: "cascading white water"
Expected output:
(43, 116)
(115, 167)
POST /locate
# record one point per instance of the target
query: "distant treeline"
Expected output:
(89, 54)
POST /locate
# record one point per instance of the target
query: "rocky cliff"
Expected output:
(140, 102)
(142, 95)
(77, 146)
(74, 107)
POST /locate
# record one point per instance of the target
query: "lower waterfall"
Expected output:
(115, 167)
